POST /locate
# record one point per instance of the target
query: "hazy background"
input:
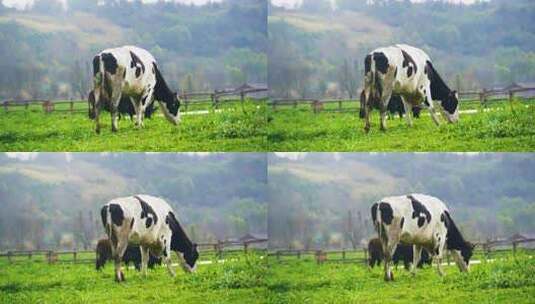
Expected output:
(317, 47)
(53, 200)
(47, 45)
(323, 200)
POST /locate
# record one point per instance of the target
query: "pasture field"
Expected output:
(240, 280)
(230, 128)
(494, 129)
(509, 280)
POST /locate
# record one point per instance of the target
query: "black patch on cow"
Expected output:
(402, 222)
(180, 241)
(164, 94)
(409, 72)
(409, 62)
(117, 214)
(132, 224)
(440, 90)
(147, 212)
(396, 72)
(374, 212)
(418, 208)
(138, 64)
(104, 215)
(368, 63)
(110, 62)
(143, 100)
(387, 214)
(381, 62)
(96, 65)
(124, 74)
(455, 240)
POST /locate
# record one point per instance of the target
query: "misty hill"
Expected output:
(47, 50)
(316, 51)
(54, 200)
(489, 195)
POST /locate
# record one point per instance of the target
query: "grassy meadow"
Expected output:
(511, 280)
(230, 128)
(238, 280)
(495, 128)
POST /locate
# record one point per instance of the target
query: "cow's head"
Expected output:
(171, 108)
(450, 106)
(467, 251)
(190, 258)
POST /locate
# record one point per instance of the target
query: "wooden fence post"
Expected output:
(340, 105)
(74, 253)
(514, 247)
(511, 97)
(365, 255)
(344, 254)
(278, 255)
(9, 253)
(6, 105)
(245, 245)
(298, 254)
(72, 106)
(29, 255)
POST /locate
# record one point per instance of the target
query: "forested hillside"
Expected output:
(46, 49)
(318, 49)
(323, 200)
(54, 199)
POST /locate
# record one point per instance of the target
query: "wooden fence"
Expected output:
(214, 98)
(219, 250)
(360, 255)
(317, 105)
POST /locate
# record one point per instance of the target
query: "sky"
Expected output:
(22, 3)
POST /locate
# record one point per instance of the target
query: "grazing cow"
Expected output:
(403, 253)
(408, 72)
(423, 221)
(395, 105)
(132, 254)
(131, 72)
(125, 107)
(149, 222)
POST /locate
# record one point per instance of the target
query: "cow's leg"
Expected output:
(118, 256)
(144, 259)
(385, 99)
(367, 109)
(96, 110)
(431, 106)
(456, 254)
(114, 114)
(408, 111)
(167, 255)
(416, 254)
(389, 249)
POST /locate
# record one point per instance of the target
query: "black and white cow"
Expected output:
(149, 222)
(422, 221)
(131, 72)
(408, 72)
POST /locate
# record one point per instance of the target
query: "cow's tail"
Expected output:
(106, 220)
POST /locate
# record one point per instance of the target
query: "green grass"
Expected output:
(241, 281)
(229, 130)
(500, 129)
(505, 281)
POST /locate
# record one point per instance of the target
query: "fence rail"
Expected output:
(360, 255)
(214, 98)
(219, 250)
(317, 105)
